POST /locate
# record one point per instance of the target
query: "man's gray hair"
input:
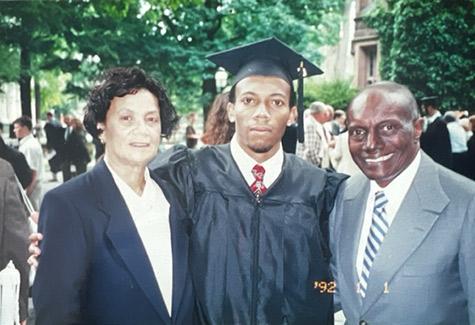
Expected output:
(317, 107)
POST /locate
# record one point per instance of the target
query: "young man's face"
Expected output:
(20, 131)
(261, 112)
(383, 137)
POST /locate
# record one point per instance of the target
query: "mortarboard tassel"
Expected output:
(300, 108)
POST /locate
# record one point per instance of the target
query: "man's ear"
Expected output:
(293, 115)
(231, 113)
(418, 127)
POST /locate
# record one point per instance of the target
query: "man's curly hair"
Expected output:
(119, 82)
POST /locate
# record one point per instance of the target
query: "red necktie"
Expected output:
(258, 187)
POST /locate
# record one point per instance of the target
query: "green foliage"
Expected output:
(10, 71)
(430, 47)
(337, 93)
(168, 38)
(52, 86)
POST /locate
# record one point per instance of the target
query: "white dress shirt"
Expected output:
(31, 148)
(430, 119)
(150, 213)
(458, 137)
(395, 193)
(245, 163)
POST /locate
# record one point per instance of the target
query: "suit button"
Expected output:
(362, 322)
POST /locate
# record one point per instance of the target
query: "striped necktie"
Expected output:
(379, 228)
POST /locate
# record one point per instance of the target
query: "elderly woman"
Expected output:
(115, 247)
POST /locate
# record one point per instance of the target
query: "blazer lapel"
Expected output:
(354, 207)
(417, 214)
(125, 239)
(177, 217)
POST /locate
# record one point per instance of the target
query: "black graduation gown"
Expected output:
(256, 261)
(435, 142)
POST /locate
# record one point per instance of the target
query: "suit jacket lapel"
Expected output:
(417, 214)
(125, 239)
(179, 244)
(354, 207)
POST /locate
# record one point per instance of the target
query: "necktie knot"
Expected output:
(258, 171)
(257, 187)
(380, 200)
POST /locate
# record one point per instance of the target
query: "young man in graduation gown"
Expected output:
(258, 215)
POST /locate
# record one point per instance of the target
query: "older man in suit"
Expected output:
(402, 234)
(14, 231)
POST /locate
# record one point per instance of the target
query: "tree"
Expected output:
(196, 29)
(64, 36)
(35, 30)
(168, 38)
(337, 93)
(429, 46)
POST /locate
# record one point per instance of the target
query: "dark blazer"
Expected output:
(94, 268)
(435, 142)
(74, 149)
(18, 162)
(14, 231)
(54, 135)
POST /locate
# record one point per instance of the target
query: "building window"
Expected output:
(370, 58)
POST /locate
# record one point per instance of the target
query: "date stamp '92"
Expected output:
(325, 286)
(330, 286)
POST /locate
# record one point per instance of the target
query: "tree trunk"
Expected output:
(208, 86)
(37, 99)
(25, 82)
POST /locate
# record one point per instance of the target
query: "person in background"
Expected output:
(66, 162)
(31, 148)
(190, 132)
(18, 162)
(402, 234)
(218, 128)
(289, 139)
(318, 140)
(341, 156)
(54, 143)
(14, 230)
(435, 140)
(339, 122)
(458, 142)
(75, 151)
(114, 248)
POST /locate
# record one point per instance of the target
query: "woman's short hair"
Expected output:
(119, 82)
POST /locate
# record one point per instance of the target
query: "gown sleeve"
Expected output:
(332, 185)
(175, 166)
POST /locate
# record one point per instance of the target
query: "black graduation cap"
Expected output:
(268, 57)
(430, 100)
